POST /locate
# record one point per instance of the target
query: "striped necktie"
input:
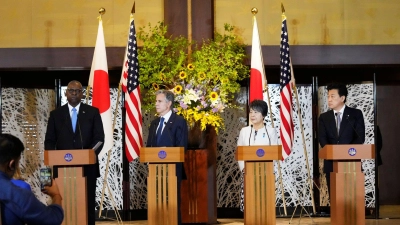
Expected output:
(338, 121)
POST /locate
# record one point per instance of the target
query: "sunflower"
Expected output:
(162, 76)
(213, 96)
(202, 75)
(155, 86)
(225, 81)
(182, 75)
(178, 89)
(190, 66)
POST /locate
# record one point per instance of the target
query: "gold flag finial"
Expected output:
(254, 10)
(133, 8)
(283, 8)
(102, 11)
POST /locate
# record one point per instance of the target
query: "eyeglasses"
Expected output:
(71, 91)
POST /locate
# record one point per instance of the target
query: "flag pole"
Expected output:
(190, 33)
(87, 93)
(303, 138)
(108, 161)
(254, 11)
(301, 123)
(102, 11)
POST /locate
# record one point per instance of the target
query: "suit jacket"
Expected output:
(175, 134)
(352, 130)
(88, 131)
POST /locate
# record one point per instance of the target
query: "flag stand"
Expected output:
(303, 138)
(304, 141)
(301, 200)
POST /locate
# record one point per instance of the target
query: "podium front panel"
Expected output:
(72, 186)
(260, 153)
(69, 157)
(347, 152)
(162, 154)
(162, 194)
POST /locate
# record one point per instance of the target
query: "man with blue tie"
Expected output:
(76, 125)
(169, 130)
(340, 125)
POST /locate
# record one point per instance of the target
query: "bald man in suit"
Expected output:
(88, 131)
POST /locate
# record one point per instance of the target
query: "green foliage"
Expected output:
(204, 82)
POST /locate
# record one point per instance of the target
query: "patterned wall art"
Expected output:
(25, 113)
(359, 96)
(296, 172)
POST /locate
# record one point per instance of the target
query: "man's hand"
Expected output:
(53, 192)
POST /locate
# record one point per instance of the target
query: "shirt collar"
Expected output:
(167, 116)
(341, 110)
(4, 175)
(76, 107)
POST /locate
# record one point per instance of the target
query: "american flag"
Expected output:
(286, 76)
(130, 86)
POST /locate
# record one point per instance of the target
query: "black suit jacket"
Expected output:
(175, 134)
(88, 131)
(352, 130)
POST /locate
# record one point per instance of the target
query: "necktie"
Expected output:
(338, 121)
(160, 127)
(74, 118)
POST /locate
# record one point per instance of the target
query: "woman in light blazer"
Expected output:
(257, 133)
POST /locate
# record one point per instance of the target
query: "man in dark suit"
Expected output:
(169, 130)
(77, 126)
(340, 125)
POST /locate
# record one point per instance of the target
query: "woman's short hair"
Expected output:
(259, 106)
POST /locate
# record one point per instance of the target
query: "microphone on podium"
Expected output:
(62, 129)
(251, 130)
(151, 134)
(79, 127)
(169, 133)
(355, 131)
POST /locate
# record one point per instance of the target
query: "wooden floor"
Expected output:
(390, 216)
(303, 221)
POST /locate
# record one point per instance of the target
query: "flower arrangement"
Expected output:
(204, 80)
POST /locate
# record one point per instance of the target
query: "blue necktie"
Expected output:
(160, 130)
(74, 118)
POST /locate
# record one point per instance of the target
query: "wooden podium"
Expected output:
(347, 182)
(162, 197)
(71, 182)
(259, 182)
